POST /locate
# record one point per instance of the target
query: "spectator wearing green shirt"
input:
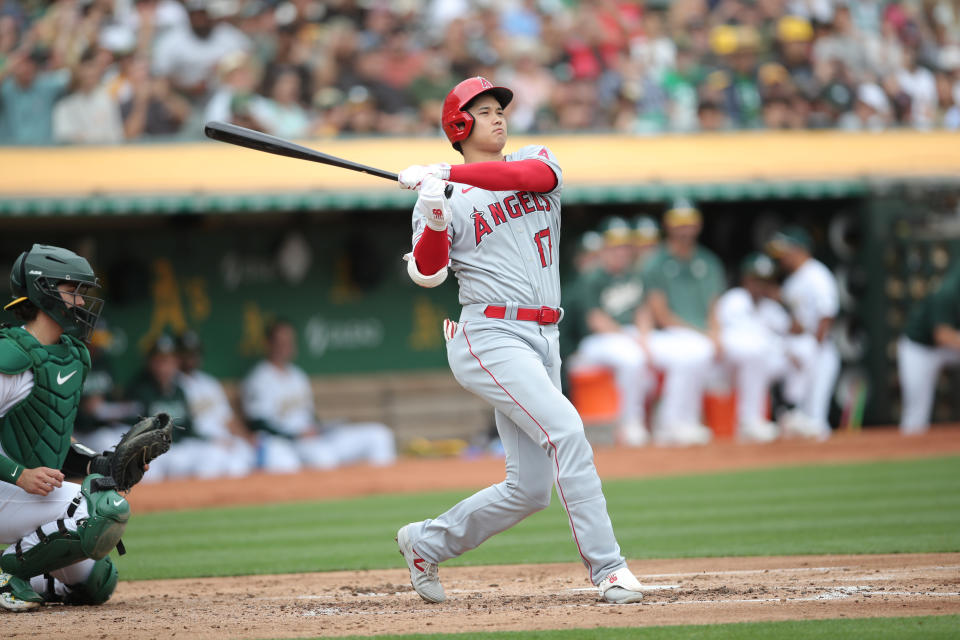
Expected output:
(27, 98)
(930, 341)
(614, 324)
(683, 280)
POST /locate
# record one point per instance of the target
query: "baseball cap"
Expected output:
(759, 265)
(189, 342)
(616, 231)
(591, 241)
(723, 39)
(682, 212)
(794, 29)
(645, 231)
(792, 237)
(164, 344)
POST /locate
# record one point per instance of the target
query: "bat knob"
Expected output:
(448, 191)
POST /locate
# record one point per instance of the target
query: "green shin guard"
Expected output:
(21, 589)
(94, 538)
(98, 587)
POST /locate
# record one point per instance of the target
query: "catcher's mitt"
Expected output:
(145, 441)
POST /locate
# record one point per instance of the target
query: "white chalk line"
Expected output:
(741, 572)
(833, 593)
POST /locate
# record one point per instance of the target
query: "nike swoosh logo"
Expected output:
(465, 189)
(116, 503)
(62, 380)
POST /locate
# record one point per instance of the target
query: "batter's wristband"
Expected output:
(10, 471)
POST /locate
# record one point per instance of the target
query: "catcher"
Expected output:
(59, 533)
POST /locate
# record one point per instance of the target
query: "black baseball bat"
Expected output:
(243, 137)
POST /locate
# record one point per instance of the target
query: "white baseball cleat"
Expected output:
(621, 587)
(11, 602)
(632, 433)
(757, 431)
(423, 574)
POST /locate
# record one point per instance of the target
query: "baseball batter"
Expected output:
(59, 533)
(499, 232)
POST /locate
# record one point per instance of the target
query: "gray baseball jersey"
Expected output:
(504, 251)
(504, 243)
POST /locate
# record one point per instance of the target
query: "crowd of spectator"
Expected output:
(105, 71)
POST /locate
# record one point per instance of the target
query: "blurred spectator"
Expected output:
(278, 404)
(930, 342)
(153, 108)
(683, 281)
(638, 68)
(871, 111)
(27, 97)
(88, 114)
(189, 54)
(918, 83)
(281, 114)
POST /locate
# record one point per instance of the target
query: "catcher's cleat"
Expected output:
(621, 587)
(423, 574)
(24, 599)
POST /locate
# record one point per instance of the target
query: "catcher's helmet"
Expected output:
(456, 122)
(35, 276)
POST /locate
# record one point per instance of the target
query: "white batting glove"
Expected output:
(433, 205)
(412, 177)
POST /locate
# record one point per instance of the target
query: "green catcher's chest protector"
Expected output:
(37, 431)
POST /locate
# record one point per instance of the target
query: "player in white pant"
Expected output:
(751, 334)
(499, 231)
(810, 295)
(213, 417)
(278, 403)
(683, 281)
(612, 295)
(930, 341)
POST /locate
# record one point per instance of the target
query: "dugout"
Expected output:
(222, 239)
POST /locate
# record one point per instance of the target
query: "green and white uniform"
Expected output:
(684, 354)
(40, 388)
(619, 296)
(920, 359)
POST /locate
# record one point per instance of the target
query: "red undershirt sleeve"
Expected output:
(522, 175)
(432, 251)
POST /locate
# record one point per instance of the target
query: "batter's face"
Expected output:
(489, 132)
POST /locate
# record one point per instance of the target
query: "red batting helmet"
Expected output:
(456, 122)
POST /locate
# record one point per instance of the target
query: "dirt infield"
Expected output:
(554, 596)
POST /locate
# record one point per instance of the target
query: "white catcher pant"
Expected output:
(919, 367)
(20, 515)
(515, 366)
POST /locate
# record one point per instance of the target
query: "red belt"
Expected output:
(542, 315)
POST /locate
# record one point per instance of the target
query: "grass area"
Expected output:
(888, 507)
(926, 627)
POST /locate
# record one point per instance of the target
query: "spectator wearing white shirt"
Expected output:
(88, 114)
(189, 55)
